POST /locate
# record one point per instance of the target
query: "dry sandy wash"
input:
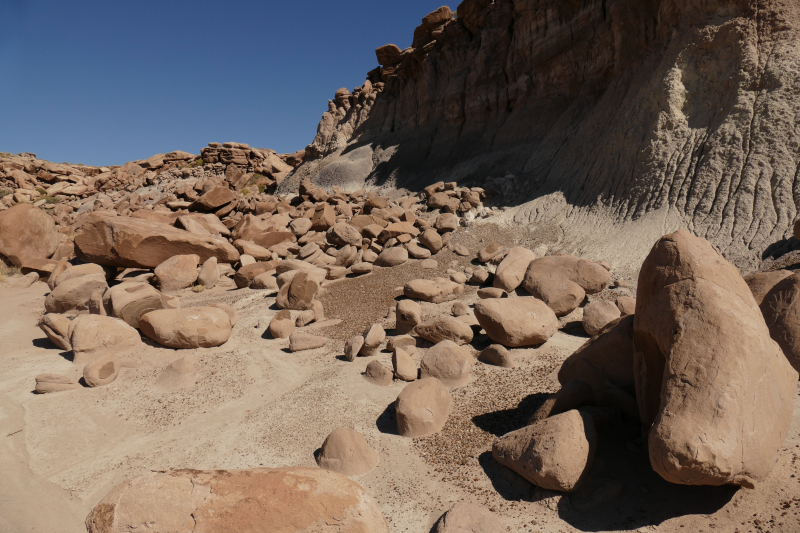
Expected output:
(256, 404)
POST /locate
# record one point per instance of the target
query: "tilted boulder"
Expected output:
(713, 387)
(449, 363)
(552, 284)
(515, 322)
(27, 232)
(511, 271)
(202, 327)
(56, 327)
(444, 327)
(94, 336)
(134, 242)
(290, 500)
(555, 453)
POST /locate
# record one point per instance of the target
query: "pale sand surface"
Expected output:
(256, 404)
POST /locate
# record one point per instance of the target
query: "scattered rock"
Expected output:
(626, 305)
(598, 314)
(554, 454)
(552, 284)
(373, 337)
(408, 314)
(378, 374)
(361, 268)
(491, 292)
(449, 363)
(288, 499)
(346, 451)
(177, 272)
(299, 293)
(511, 271)
(392, 257)
(516, 322)
(265, 282)
(47, 383)
(352, 347)
(429, 264)
(781, 310)
(469, 518)
(497, 355)
(202, 327)
(403, 365)
(131, 300)
(435, 290)
(422, 408)
(461, 250)
(444, 327)
(299, 342)
(459, 309)
(102, 370)
(282, 326)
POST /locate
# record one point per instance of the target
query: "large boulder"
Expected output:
(449, 363)
(515, 322)
(422, 408)
(598, 314)
(591, 277)
(56, 327)
(555, 453)
(75, 293)
(713, 388)
(289, 500)
(346, 451)
(342, 233)
(511, 271)
(552, 284)
(26, 232)
(75, 271)
(135, 242)
(94, 336)
(781, 310)
(203, 327)
(299, 293)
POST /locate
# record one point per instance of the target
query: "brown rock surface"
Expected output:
(299, 293)
(435, 290)
(449, 363)
(511, 271)
(469, 518)
(177, 272)
(713, 384)
(94, 336)
(761, 283)
(515, 322)
(75, 293)
(133, 242)
(202, 327)
(422, 408)
(26, 233)
(56, 327)
(346, 451)
(131, 300)
(444, 327)
(299, 341)
(290, 500)
(102, 370)
(781, 310)
(377, 374)
(598, 314)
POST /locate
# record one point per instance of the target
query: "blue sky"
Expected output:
(102, 83)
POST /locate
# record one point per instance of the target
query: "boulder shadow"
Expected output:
(387, 421)
(45, 343)
(498, 423)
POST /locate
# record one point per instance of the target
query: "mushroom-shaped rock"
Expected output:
(444, 327)
(515, 322)
(422, 408)
(598, 314)
(346, 451)
(202, 327)
(555, 453)
(713, 388)
(286, 499)
(449, 363)
(102, 370)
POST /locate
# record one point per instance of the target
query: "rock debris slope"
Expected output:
(611, 119)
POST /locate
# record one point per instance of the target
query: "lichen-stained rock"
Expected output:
(555, 453)
(202, 327)
(715, 390)
(26, 232)
(289, 500)
(135, 242)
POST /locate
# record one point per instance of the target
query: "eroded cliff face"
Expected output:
(621, 119)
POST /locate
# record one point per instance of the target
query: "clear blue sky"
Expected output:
(105, 82)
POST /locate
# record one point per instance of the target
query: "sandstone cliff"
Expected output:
(621, 119)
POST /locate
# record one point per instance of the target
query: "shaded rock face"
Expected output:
(713, 388)
(592, 104)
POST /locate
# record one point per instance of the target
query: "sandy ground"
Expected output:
(256, 404)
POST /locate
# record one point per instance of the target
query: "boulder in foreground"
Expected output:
(26, 232)
(713, 387)
(135, 242)
(289, 500)
(202, 327)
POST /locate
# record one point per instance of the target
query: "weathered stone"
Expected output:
(761, 283)
(469, 518)
(497, 355)
(299, 293)
(94, 336)
(180, 374)
(487, 253)
(626, 305)
(511, 271)
(102, 370)
(75, 293)
(290, 500)
(209, 273)
(444, 327)
(431, 240)
(77, 271)
(422, 408)
(352, 347)
(449, 363)
(436, 290)
(714, 389)
(26, 233)
(552, 284)
(132, 242)
(343, 233)
(282, 326)
(598, 314)
(303, 341)
(781, 310)
(378, 374)
(177, 272)
(202, 327)
(346, 451)
(403, 365)
(56, 327)
(131, 300)
(516, 322)
(48, 383)
(555, 454)
(373, 336)
(392, 257)
(214, 199)
(245, 275)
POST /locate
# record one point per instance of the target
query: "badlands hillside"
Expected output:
(536, 274)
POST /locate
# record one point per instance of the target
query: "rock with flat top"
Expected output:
(449, 363)
(516, 322)
(202, 327)
(131, 300)
(392, 257)
(299, 342)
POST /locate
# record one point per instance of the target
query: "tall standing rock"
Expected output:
(713, 388)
